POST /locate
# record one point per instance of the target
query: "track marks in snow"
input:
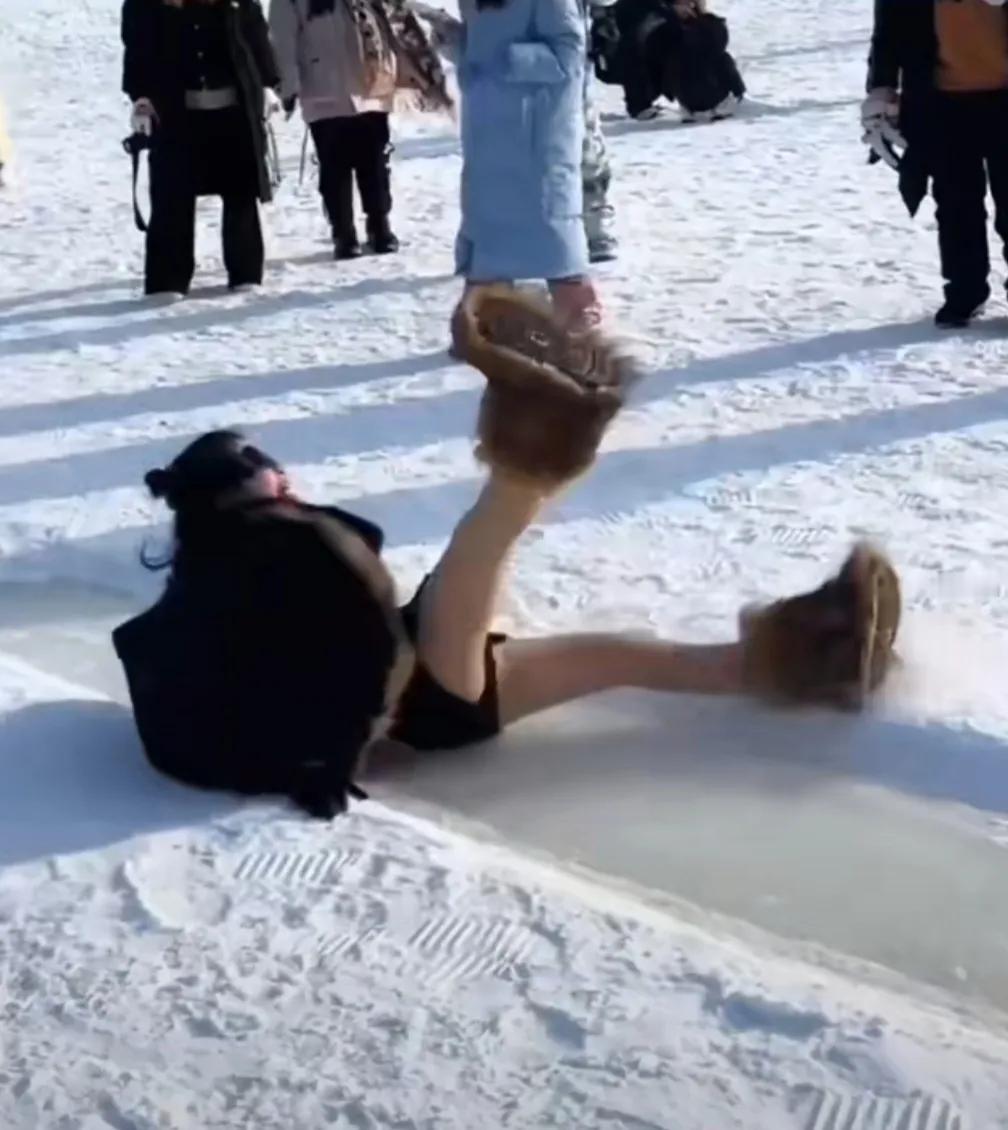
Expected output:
(819, 1109)
(312, 869)
(466, 948)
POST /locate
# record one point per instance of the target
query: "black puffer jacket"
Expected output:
(154, 36)
(263, 666)
(904, 57)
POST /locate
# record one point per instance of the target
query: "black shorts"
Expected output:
(429, 717)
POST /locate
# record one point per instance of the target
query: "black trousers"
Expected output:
(355, 146)
(970, 154)
(208, 153)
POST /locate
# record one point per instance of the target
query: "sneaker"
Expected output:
(725, 108)
(347, 246)
(602, 249)
(647, 115)
(956, 314)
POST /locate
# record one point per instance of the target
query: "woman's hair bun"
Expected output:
(159, 482)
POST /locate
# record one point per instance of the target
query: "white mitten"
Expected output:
(143, 116)
(880, 118)
(271, 103)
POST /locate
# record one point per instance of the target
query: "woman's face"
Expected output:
(266, 483)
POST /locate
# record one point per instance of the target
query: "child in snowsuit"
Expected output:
(596, 173)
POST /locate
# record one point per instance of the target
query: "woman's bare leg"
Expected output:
(536, 674)
(459, 602)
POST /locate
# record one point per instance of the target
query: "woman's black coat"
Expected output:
(152, 66)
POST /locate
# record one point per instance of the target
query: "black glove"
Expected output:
(321, 793)
(289, 106)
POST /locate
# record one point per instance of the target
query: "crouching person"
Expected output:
(278, 653)
(199, 74)
(677, 50)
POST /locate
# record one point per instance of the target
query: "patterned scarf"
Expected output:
(394, 46)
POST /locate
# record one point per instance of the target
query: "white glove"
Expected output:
(271, 103)
(143, 116)
(880, 118)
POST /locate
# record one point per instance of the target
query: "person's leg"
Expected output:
(460, 599)
(997, 164)
(960, 189)
(244, 254)
(596, 176)
(536, 674)
(333, 145)
(171, 231)
(374, 180)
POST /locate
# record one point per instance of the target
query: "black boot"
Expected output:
(381, 239)
(960, 309)
(346, 245)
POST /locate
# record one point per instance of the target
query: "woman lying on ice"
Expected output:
(278, 652)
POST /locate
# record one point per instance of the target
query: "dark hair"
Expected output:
(320, 7)
(194, 481)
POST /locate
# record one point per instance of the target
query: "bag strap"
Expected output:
(134, 154)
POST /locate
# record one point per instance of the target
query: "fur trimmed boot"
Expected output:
(551, 394)
(829, 647)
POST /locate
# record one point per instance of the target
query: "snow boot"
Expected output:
(602, 248)
(346, 245)
(829, 647)
(381, 240)
(550, 394)
(957, 313)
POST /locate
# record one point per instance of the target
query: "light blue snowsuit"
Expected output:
(521, 73)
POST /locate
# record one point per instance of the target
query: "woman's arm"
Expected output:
(285, 29)
(560, 51)
(137, 38)
(262, 47)
(883, 60)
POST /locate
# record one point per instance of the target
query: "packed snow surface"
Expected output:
(637, 913)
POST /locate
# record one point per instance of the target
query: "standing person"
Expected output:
(346, 60)
(521, 75)
(596, 172)
(279, 652)
(938, 83)
(199, 74)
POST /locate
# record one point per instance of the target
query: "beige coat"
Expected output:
(321, 63)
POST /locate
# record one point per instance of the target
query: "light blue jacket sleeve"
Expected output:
(559, 52)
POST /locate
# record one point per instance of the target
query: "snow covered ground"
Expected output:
(641, 913)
